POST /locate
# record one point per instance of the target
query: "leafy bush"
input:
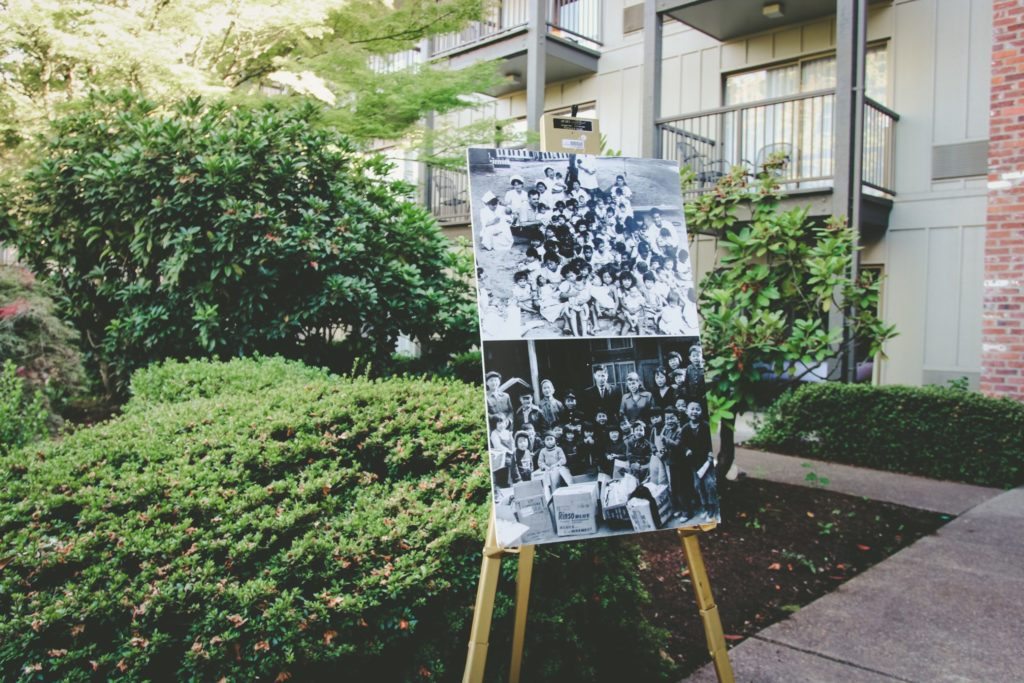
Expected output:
(35, 338)
(258, 521)
(23, 411)
(214, 231)
(176, 381)
(467, 367)
(765, 306)
(939, 432)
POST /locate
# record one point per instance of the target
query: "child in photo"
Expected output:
(570, 447)
(665, 244)
(654, 302)
(696, 444)
(543, 213)
(615, 462)
(548, 301)
(576, 294)
(631, 305)
(623, 208)
(602, 253)
(590, 447)
(531, 263)
(551, 463)
(550, 267)
(604, 295)
(670, 320)
(638, 450)
(559, 187)
(522, 293)
(501, 435)
(522, 456)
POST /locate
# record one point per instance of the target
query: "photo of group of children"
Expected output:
(581, 246)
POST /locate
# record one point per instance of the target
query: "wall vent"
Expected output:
(960, 160)
(633, 18)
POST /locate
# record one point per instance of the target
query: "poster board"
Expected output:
(594, 387)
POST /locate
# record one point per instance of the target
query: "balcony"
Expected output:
(396, 61)
(574, 37)
(448, 196)
(801, 128)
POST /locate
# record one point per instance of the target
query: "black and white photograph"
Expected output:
(597, 437)
(580, 246)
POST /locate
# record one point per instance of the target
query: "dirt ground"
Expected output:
(779, 548)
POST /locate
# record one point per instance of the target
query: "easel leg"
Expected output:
(523, 577)
(480, 632)
(706, 604)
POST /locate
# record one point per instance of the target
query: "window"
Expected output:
(802, 129)
(806, 75)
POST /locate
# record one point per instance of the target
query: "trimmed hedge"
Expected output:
(939, 432)
(260, 521)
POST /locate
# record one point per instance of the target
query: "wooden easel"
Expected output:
(486, 590)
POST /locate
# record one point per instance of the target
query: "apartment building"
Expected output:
(900, 144)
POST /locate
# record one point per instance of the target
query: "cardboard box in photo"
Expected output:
(575, 509)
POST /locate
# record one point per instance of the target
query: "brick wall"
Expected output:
(1002, 372)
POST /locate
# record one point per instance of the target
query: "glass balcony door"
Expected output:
(800, 129)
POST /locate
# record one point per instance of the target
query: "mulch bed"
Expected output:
(779, 547)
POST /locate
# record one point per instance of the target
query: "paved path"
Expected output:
(916, 492)
(947, 609)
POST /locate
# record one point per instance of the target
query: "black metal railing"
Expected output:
(879, 159)
(578, 20)
(799, 128)
(448, 195)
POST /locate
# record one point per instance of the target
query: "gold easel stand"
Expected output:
(479, 634)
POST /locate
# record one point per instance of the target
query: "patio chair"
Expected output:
(766, 152)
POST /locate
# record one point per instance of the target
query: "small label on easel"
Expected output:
(570, 134)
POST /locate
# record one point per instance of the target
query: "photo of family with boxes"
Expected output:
(597, 437)
(571, 245)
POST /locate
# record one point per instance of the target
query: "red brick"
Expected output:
(1002, 372)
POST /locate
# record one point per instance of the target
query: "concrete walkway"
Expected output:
(946, 609)
(902, 489)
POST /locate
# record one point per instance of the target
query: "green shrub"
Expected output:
(256, 520)
(467, 367)
(939, 432)
(23, 412)
(205, 230)
(175, 381)
(36, 339)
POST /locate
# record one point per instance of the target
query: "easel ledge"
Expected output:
(487, 588)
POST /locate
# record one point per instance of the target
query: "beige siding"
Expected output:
(938, 83)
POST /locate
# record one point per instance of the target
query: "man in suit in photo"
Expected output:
(602, 395)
